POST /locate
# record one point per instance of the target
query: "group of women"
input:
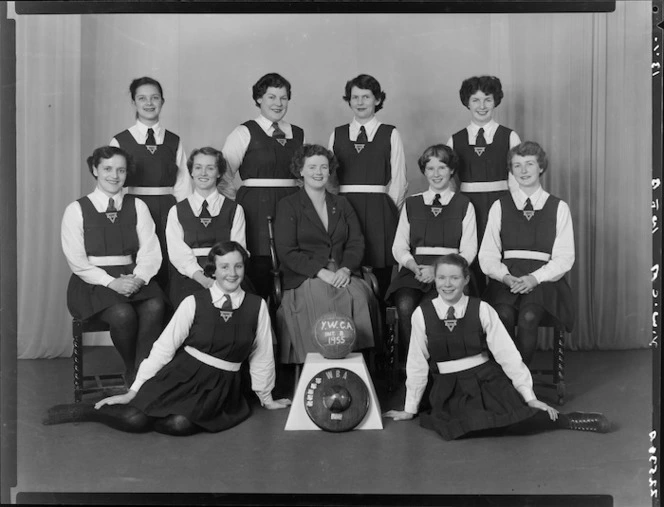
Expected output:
(171, 228)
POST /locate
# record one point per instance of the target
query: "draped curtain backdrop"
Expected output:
(579, 84)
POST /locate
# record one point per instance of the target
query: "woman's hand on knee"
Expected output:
(553, 413)
(277, 404)
(120, 399)
(426, 274)
(399, 415)
(123, 286)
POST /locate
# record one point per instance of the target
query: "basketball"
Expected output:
(334, 335)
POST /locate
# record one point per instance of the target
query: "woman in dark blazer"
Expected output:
(320, 247)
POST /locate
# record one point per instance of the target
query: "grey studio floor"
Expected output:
(258, 456)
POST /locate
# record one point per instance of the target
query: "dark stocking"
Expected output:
(526, 337)
(123, 322)
(406, 300)
(176, 425)
(383, 277)
(507, 316)
(120, 417)
(535, 424)
(150, 325)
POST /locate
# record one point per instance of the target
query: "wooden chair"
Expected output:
(557, 371)
(107, 384)
(277, 289)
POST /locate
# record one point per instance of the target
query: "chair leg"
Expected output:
(77, 356)
(559, 365)
(392, 345)
(298, 371)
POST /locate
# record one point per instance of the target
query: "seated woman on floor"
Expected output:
(320, 249)
(191, 380)
(111, 246)
(481, 386)
(432, 223)
(196, 223)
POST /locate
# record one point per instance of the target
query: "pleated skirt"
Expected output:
(479, 398)
(208, 397)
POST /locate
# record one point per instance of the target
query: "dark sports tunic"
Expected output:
(107, 236)
(535, 235)
(209, 397)
(158, 169)
(265, 158)
(478, 398)
(197, 235)
(377, 213)
(488, 166)
(428, 229)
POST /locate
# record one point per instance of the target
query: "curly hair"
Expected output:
(443, 153)
(106, 152)
(527, 148)
(220, 249)
(366, 82)
(271, 80)
(489, 85)
(311, 150)
(220, 161)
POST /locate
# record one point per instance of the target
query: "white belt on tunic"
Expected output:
(215, 362)
(363, 189)
(150, 190)
(465, 363)
(200, 252)
(268, 182)
(526, 254)
(110, 260)
(484, 186)
(435, 250)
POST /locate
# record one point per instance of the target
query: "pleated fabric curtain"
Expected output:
(579, 84)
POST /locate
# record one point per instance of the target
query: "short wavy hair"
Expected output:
(311, 150)
(489, 85)
(443, 153)
(366, 82)
(455, 260)
(525, 149)
(106, 152)
(145, 80)
(219, 249)
(220, 161)
(273, 80)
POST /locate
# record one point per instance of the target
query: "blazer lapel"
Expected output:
(309, 211)
(333, 212)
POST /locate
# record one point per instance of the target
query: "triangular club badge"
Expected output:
(225, 315)
(112, 215)
(151, 148)
(450, 324)
(282, 142)
(359, 147)
(479, 150)
(436, 211)
(528, 213)
(206, 221)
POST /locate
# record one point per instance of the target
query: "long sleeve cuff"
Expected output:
(526, 393)
(106, 280)
(265, 397)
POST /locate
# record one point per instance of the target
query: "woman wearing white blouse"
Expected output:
(191, 381)
(480, 384)
(195, 224)
(110, 244)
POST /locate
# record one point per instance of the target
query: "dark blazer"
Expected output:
(304, 246)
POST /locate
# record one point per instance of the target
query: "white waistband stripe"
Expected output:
(484, 186)
(362, 189)
(435, 250)
(268, 182)
(215, 362)
(110, 260)
(150, 190)
(526, 254)
(465, 363)
(200, 252)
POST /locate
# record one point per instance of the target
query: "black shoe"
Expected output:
(586, 421)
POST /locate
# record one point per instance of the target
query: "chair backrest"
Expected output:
(273, 248)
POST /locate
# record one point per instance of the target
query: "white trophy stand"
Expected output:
(298, 419)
